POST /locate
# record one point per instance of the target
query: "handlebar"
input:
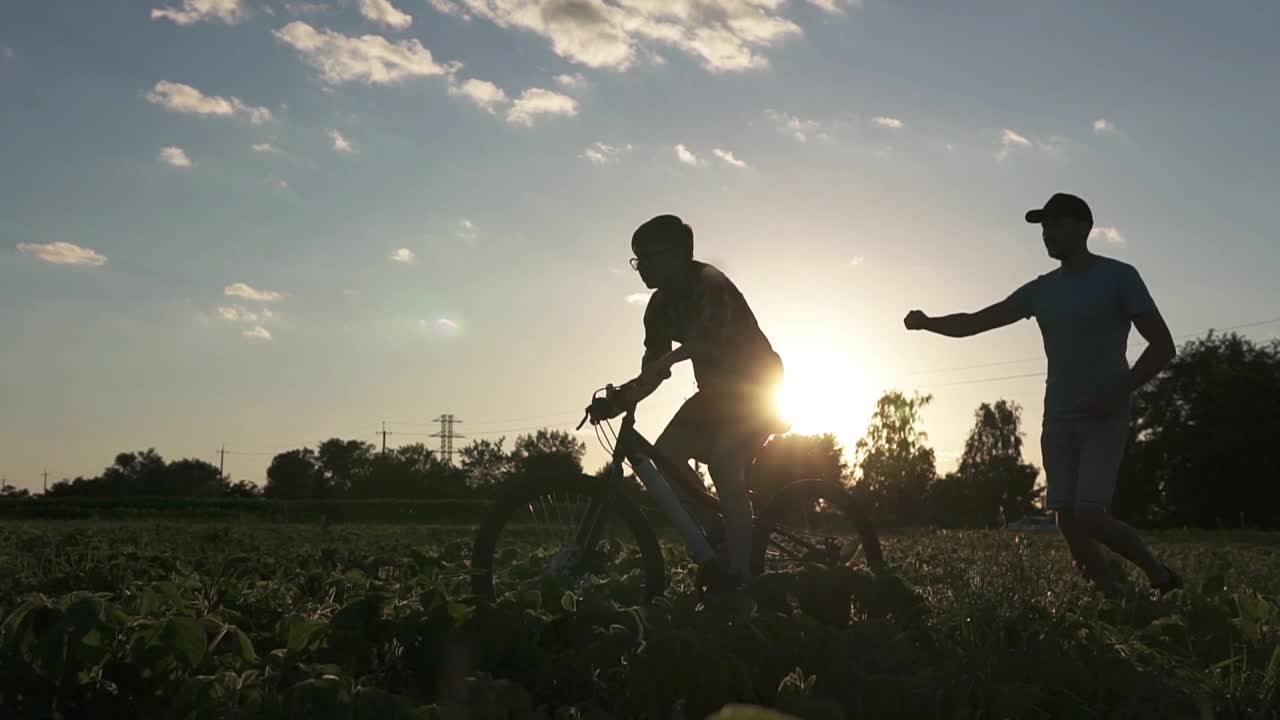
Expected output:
(615, 401)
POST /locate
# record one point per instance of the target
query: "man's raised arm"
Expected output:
(965, 324)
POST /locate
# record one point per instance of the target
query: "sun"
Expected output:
(824, 391)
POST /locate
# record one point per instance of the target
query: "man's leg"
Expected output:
(1085, 553)
(684, 439)
(1102, 450)
(728, 472)
(1060, 451)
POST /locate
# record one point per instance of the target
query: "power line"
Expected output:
(416, 423)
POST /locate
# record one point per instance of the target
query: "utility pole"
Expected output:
(447, 436)
(222, 456)
(46, 481)
(384, 434)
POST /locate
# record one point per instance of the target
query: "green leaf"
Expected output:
(299, 633)
(460, 612)
(569, 601)
(148, 603)
(242, 646)
(1271, 683)
(741, 711)
(185, 637)
(531, 599)
(323, 698)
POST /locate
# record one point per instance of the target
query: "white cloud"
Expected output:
(63, 253)
(1108, 233)
(835, 7)
(370, 59)
(384, 13)
(1009, 140)
(229, 12)
(265, 148)
(887, 122)
(481, 92)
(180, 98)
(466, 229)
(448, 7)
(176, 157)
(440, 325)
(340, 143)
(574, 81)
(686, 156)
(638, 298)
(602, 153)
(279, 183)
(537, 101)
(350, 293)
(7, 53)
(1104, 126)
(856, 261)
(243, 290)
(1009, 137)
(257, 333)
(723, 35)
(236, 313)
(728, 157)
(403, 256)
(792, 125)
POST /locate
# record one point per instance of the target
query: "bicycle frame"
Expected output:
(653, 468)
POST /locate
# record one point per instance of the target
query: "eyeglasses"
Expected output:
(635, 261)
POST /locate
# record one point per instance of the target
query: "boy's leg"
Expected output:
(685, 438)
(1102, 450)
(728, 472)
(1060, 450)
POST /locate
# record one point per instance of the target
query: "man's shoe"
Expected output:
(1171, 583)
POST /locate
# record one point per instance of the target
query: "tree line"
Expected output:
(1199, 455)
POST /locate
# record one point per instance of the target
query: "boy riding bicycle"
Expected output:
(736, 369)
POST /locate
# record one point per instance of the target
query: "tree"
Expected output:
(485, 463)
(1203, 432)
(344, 465)
(788, 458)
(894, 470)
(992, 483)
(547, 452)
(293, 475)
(244, 489)
(186, 478)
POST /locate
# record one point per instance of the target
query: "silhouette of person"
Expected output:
(1084, 309)
(736, 369)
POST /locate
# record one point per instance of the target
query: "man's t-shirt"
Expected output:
(711, 308)
(1084, 321)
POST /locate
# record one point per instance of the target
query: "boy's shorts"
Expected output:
(1082, 461)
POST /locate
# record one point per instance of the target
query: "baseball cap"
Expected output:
(1061, 205)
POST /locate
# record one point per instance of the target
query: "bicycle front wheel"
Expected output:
(540, 531)
(811, 521)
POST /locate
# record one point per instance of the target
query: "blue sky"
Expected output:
(269, 223)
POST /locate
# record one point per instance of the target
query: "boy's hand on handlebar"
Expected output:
(651, 377)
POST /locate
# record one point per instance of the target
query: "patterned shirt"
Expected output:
(713, 310)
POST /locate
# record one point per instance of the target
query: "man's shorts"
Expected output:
(1082, 461)
(714, 421)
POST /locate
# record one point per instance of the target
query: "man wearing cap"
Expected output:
(1084, 309)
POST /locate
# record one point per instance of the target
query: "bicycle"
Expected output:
(597, 517)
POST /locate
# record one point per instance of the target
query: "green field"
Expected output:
(154, 619)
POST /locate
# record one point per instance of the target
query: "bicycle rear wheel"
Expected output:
(814, 521)
(535, 533)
